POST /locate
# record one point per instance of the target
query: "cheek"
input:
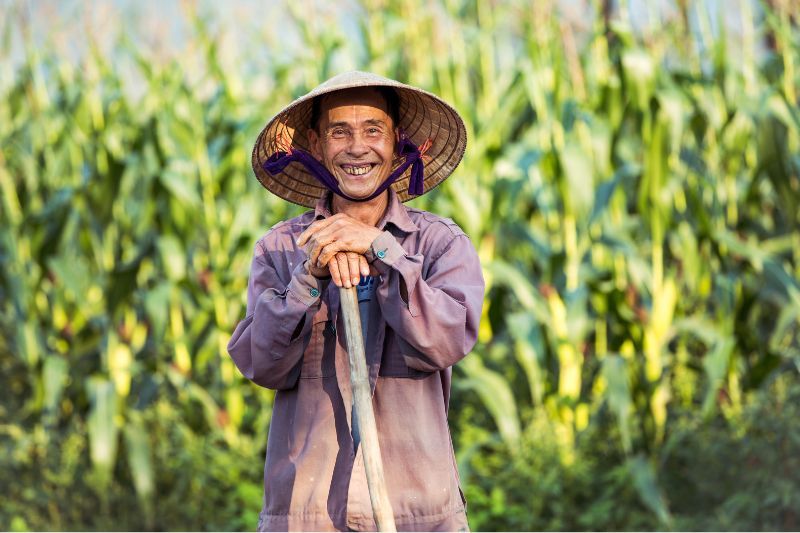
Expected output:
(329, 154)
(388, 150)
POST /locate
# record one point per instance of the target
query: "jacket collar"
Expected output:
(396, 213)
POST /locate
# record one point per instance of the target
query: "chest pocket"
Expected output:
(319, 359)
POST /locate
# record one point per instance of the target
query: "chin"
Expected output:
(359, 192)
(358, 195)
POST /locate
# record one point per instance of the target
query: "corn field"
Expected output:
(633, 190)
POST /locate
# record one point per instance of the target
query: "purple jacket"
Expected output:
(292, 340)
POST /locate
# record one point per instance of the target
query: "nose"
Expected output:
(357, 147)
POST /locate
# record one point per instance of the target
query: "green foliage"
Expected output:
(541, 489)
(633, 197)
(50, 482)
(738, 475)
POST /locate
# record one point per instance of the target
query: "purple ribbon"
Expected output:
(405, 148)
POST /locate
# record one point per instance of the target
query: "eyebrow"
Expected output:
(370, 122)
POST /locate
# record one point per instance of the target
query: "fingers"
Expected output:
(350, 234)
(339, 226)
(311, 230)
(328, 251)
(339, 266)
(312, 253)
(353, 267)
(317, 242)
(317, 226)
(320, 248)
(333, 267)
(346, 268)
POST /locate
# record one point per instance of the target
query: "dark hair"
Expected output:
(389, 95)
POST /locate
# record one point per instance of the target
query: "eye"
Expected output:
(338, 133)
(373, 131)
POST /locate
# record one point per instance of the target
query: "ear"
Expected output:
(314, 143)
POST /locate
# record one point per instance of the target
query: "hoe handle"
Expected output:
(362, 410)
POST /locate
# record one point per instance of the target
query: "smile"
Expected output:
(358, 170)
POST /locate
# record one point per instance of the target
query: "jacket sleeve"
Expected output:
(438, 315)
(268, 345)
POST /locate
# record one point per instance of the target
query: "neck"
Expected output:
(369, 212)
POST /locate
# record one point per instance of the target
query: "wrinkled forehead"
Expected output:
(372, 100)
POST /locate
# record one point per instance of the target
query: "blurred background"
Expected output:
(632, 184)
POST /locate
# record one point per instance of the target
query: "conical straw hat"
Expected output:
(422, 116)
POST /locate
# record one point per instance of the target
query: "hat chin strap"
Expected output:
(278, 161)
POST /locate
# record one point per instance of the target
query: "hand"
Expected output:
(317, 272)
(339, 233)
(345, 268)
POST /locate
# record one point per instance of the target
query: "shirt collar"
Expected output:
(396, 213)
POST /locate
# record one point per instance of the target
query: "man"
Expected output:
(353, 149)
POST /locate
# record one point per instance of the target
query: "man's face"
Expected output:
(355, 140)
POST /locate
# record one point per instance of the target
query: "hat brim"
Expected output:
(421, 115)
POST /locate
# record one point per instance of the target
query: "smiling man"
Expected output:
(354, 149)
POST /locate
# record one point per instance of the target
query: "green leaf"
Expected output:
(72, 274)
(640, 72)
(615, 372)
(605, 190)
(102, 426)
(715, 364)
(179, 180)
(519, 284)
(156, 304)
(496, 396)
(579, 174)
(54, 376)
(137, 442)
(530, 352)
(173, 257)
(644, 478)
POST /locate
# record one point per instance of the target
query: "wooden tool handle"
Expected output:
(362, 410)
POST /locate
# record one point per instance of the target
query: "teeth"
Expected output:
(357, 171)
